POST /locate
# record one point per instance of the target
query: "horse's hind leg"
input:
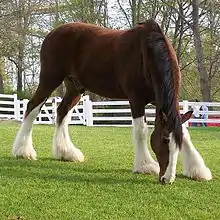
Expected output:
(63, 147)
(23, 146)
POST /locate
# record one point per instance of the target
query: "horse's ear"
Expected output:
(185, 117)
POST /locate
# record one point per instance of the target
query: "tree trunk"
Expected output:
(135, 11)
(60, 89)
(22, 25)
(203, 75)
(1, 84)
(180, 26)
(20, 70)
(1, 75)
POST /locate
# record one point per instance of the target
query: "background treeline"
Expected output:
(192, 26)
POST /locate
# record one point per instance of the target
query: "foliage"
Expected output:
(25, 23)
(103, 187)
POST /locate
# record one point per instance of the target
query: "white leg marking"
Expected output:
(143, 161)
(170, 173)
(193, 164)
(23, 146)
(63, 147)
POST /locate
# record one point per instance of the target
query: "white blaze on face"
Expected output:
(170, 173)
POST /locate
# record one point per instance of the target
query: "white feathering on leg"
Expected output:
(63, 147)
(143, 161)
(193, 164)
(23, 146)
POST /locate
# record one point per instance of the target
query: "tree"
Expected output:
(193, 21)
(5, 38)
(132, 13)
(88, 11)
(192, 27)
(1, 76)
(204, 85)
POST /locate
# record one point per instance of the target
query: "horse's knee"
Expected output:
(140, 128)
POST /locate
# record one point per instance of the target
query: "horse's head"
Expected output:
(161, 138)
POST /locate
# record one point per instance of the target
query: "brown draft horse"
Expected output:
(139, 65)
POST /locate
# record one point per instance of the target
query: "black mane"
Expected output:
(166, 79)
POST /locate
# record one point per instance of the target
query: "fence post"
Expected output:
(186, 109)
(16, 107)
(88, 111)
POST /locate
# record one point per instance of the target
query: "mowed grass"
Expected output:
(102, 187)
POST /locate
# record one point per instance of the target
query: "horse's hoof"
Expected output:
(73, 155)
(201, 174)
(27, 155)
(147, 168)
(167, 180)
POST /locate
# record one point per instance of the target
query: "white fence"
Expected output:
(104, 113)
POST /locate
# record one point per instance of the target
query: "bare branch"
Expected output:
(124, 12)
(178, 12)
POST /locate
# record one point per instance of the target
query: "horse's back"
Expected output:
(76, 30)
(86, 52)
(74, 42)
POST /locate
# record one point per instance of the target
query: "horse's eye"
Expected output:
(166, 140)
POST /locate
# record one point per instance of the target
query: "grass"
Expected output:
(102, 187)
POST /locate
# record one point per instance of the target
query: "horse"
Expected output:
(138, 65)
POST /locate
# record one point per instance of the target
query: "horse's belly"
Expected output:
(104, 86)
(113, 94)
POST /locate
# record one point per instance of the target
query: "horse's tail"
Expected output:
(166, 78)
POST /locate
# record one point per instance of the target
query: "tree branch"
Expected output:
(178, 12)
(124, 12)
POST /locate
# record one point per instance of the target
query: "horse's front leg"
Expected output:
(143, 161)
(193, 164)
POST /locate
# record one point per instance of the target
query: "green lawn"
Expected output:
(102, 187)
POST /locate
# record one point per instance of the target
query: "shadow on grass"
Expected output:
(181, 176)
(52, 170)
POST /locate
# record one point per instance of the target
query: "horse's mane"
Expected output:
(166, 78)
